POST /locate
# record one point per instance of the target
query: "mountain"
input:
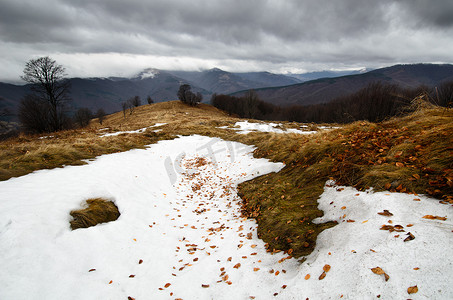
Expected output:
(108, 93)
(222, 82)
(326, 74)
(326, 89)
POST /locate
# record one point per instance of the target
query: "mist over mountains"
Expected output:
(281, 89)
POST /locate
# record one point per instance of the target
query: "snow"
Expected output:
(149, 73)
(141, 130)
(247, 127)
(180, 217)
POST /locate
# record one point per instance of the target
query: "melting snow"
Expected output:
(180, 234)
(141, 130)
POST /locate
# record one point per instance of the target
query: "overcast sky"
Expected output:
(121, 37)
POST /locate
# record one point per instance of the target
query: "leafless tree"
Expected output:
(149, 100)
(250, 104)
(49, 86)
(136, 101)
(34, 114)
(187, 96)
(83, 116)
(100, 114)
(124, 108)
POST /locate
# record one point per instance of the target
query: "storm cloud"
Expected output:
(113, 37)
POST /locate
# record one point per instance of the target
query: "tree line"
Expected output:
(376, 102)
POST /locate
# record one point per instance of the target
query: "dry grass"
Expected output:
(413, 154)
(98, 211)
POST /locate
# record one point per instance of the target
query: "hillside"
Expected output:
(179, 189)
(326, 89)
(222, 82)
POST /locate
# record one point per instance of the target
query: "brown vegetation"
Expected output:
(98, 211)
(413, 154)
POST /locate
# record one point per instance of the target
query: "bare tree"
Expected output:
(136, 101)
(100, 114)
(50, 86)
(445, 94)
(83, 116)
(4, 112)
(250, 104)
(34, 114)
(124, 108)
(149, 100)
(187, 96)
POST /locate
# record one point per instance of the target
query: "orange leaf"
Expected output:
(276, 273)
(256, 269)
(431, 217)
(322, 276)
(326, 268)
(343, 207)
(205, 285)
(307, 276)
(236, 266)
(412, 289)
(377, 270)
(167, 285)
(111, 281)
(399, 165)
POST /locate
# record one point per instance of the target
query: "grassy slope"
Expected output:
(411, 154)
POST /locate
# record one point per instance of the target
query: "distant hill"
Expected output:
(222, 82)
(325, 74)
(108, 93)
(326, 89)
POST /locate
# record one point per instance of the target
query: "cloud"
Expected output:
(265, 35)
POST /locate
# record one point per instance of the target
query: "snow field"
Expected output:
(180, 234)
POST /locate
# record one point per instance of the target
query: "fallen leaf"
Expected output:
(237, 266)
(205, 285)
(140, 261)
(167, 285)
(284, 286)
(412, 289)
(410, 237)
(91, 270)
(385, 213)
(256, 269)
(386, 277)
(326, 268)
(276, 273)
(307, 276)
(130, 298)
(131, 276)
(253, 246)
(416, 269)
(343, 207)
(377, 270)
(431, 217)
(111, 281)
(399, 165)
(322, 276)
(229, 258)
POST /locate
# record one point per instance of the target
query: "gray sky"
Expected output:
(119, 37)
